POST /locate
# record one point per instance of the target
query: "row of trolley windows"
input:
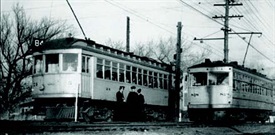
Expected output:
(248, 79)
(52, 65)
(116, 71)
(252, 88)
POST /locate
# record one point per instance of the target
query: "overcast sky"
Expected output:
(155, 19)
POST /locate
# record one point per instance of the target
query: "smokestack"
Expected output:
(128, 35)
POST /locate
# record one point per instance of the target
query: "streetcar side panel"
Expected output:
(251, 91)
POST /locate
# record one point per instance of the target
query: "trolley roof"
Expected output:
(70, 42)
(234, 64)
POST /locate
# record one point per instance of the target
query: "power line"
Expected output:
(139, 16)
(195, 9)
(146, 19)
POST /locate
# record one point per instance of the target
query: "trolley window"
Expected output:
(52, 65)
(121, 72)
(88, 64)
(99, 68)
(38, 61)
(165, 83)
(70, 62)
(128, 74)
(83, 64)
(150, 79)
(160, 81)
(107, 69)
(218, 78)
(114, 71)
(145, 75)
(199, 79)
(140, 76)
(134, 75)
(155, 80)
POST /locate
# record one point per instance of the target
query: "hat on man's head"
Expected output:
(121, 87)
(139, 90)
(133, 87)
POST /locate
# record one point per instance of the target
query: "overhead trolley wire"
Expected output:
(137, 15)
(141, 17)
(195, 9)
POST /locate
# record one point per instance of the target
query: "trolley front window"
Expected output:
(52, 65)
(199, 79)
(218, 78)
(70, 62)
(38, 61)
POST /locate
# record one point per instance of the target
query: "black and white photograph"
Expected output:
(137, 67)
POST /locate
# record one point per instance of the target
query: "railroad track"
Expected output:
(42, 126)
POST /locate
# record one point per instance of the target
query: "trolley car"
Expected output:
(68, 70)
(227, 91)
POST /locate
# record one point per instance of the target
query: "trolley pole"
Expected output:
(178, 73)
(77, 21)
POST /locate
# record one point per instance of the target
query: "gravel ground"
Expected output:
(255, 129)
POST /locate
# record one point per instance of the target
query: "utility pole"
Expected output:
(128, 35)
(178, 77)
(226, 28)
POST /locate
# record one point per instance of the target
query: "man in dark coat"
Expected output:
(132, 96)
(120, 107)
(140, 105)
(132, 102)
(119, 95)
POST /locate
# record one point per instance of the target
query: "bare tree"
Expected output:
(115, 44)
(17, 33)
(165, 49)
(263, 69)
(145, 49)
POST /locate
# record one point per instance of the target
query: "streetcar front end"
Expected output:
(56, 74)
(209, 92)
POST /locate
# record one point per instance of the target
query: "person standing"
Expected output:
(140, 105)
(120, 108)
(132, 101)
(119, 94)
(132, 96)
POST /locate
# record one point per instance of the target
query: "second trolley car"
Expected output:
(228, 91)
